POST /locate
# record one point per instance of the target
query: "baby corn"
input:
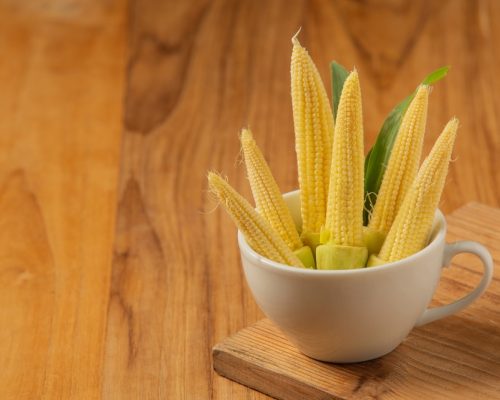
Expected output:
(401, 171)
(410, 230)
(342, 235)
(259, 235)
(269, 201)
(313, 121)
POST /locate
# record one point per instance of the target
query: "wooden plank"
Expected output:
(198, 72)
(167, 288)
(62, 74)
(458, 357)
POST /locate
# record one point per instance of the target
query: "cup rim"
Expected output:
(255, 257)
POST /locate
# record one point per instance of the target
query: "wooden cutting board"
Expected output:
(454, 358)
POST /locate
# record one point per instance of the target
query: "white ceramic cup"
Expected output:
(360, 314)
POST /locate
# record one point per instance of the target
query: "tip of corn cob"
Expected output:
(422, 89)
(213, 177)
(453, 124)
(246, 136)
(445, 141)
(294, 37)
(216, 183)
(353, 75)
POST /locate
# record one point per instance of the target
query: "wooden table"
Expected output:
(116, 274)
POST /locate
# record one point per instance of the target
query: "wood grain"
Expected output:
(62, 73)
(199, 72)
(458, 357)
(92, 306)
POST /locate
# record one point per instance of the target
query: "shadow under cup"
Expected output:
(352, 315)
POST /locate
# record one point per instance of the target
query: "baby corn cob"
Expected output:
(259, 235)
(343, 232)
(410, 230)
(401, 171)
(313, 121)
(269, 201)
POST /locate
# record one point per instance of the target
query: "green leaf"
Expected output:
(339, 75)
(377, 158)
(436, 75)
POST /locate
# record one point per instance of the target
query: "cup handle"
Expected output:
(452, 249)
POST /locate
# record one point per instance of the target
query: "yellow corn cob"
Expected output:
(268, 199)
(259, 235)
(401, 170)
(410, 230)
(313, 121)
(343, 231)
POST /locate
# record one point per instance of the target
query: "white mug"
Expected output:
(358, 314)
